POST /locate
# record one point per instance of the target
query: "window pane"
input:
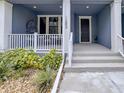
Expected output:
(53, 25)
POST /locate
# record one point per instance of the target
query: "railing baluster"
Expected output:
(42, 41)
(52, 41)
(35, 41)
(14, 42)
(21, 42)
(11, 42)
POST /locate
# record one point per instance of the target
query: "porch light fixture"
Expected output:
(60, 6)
(87, 6)
(34, 7)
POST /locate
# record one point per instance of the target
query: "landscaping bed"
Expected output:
(23, 71)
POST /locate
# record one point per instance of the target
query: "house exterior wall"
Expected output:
(104, 27)
(75, 24)
(21, 16)
(101, 27)
(101, 23)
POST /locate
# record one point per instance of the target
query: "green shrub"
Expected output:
(52, 59)
(45, 79)
(14, 62)
(21, 58)
(5, 72)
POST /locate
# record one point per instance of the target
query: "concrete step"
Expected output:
(95, 54)
(94, 67)
(98, 59)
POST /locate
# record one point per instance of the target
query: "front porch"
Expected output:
(55, 23)
(94, 58)
(88, 48)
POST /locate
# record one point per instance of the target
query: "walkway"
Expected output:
(95, 69)
(94, 57)
(110, 82)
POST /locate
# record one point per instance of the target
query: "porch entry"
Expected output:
(49, 36)
(85, 29)
(49, 24)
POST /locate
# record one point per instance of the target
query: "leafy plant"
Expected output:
(13, 63)
(5, 72)
(45, 79)
(52, 59)
(21, 58)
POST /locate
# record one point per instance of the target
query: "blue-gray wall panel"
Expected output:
(101, 28)
(50, 13)
(76, 28)
(21, 16)
(104, 27)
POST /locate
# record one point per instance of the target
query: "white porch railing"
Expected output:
(121, 45)
(70, 48)
(35, 41)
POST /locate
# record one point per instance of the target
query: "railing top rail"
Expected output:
(120, 37)
(21, 34)
(33, 34)
(49, 34)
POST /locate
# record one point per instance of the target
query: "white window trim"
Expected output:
(85, 17)
(47, 22)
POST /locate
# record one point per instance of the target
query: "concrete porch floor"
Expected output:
(90, 48)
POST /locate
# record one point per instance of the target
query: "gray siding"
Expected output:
(21, 16)
(101, 28)
(104, 27)
(76, 28)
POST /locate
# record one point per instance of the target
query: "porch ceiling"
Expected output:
(36, 1)
(54, 5)
(60, 1)
(44, 8)
(91, 1)
(93, 9)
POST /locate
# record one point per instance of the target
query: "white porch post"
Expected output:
(5, 23)
(66, 23)
(115, 24)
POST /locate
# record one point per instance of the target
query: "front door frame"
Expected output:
(85, 17)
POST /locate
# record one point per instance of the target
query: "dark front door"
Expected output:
(85, 30)
(43, 25)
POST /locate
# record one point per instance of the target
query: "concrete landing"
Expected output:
(94, 58)
(110, 82)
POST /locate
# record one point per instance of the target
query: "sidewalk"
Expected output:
(111, 82)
